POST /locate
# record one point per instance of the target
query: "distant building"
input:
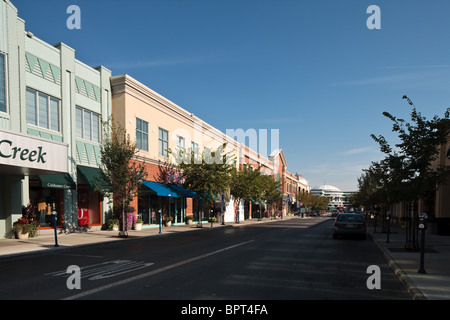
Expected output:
(338, 199)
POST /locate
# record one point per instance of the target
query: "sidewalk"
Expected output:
(435, 283)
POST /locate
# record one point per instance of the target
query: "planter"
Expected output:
(115, 228)
(189, 221)
(20, 235)
(138, 226)
(168, 223)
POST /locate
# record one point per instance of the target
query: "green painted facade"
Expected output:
(53, 72)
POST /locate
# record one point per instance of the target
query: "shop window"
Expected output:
(42, 110)
(3, 82)
(141, 134)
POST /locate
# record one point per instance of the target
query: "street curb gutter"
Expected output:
(412, 289)
(103, 243)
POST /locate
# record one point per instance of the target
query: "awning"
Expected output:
(160, 189)
(94, 178)
(183, 191)
(57, 181)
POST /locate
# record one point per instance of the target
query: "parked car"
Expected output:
(350, 224)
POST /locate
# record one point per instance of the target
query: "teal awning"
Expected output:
(94, 178)
(57, 181)
(183, 191)
(160, 189)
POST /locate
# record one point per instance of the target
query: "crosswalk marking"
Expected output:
(105, 269)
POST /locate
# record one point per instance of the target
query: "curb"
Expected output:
(412, 289)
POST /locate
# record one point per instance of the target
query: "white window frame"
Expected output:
(49, 114)
(91, 129)
(143, 134)
(161, 150)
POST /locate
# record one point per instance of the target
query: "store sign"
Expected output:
(32, 152)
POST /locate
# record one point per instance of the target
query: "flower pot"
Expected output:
(115, 228)
(138, 226)
(20, 235)
(168, 223)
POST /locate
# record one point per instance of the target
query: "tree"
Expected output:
(208, 176)
(122, 173)
(272, 190)
(406, 174)
(250, 183)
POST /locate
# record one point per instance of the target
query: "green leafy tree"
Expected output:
(119, 170)
(406, 173)
(207, 177)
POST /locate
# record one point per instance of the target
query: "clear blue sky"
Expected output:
(310, 68)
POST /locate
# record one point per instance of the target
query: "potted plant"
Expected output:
(189, 220)
(138, 224)
(24, 228)
(113, 224)
(168, 221)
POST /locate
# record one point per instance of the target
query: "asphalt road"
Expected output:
(295, 259)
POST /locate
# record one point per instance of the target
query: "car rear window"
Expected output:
(350, 218)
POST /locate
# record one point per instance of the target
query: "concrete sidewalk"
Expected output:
(435, 283)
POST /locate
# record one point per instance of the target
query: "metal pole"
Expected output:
(422, 226)
(54, 225)
(388, 217)
(160, 220)
(422, 252)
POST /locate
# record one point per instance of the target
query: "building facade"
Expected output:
(339, 200)
(158, 125)
(51, 109)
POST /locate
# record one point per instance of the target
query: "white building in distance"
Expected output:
(338, 199)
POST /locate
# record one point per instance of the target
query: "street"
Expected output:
(293, 259)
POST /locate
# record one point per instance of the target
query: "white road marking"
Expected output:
(153, 272)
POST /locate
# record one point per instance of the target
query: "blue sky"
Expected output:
(309, 68)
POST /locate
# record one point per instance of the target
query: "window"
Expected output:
(2, 82)
(194, 147)
(180, 144)
(163, 142)
(141, 134)
(42, 110)
(87, 124)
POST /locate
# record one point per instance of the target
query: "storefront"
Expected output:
(156, 198)
(33, 171)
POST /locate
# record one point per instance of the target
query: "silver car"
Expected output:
(349, 224)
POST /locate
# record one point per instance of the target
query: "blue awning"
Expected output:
(160, 189)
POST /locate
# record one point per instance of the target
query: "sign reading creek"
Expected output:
(32, 152)
(24, 154)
